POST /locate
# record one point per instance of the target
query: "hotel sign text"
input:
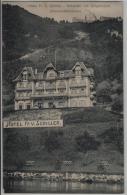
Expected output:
(33, 123)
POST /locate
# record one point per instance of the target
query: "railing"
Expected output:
(49, 94)
(22, 98)
(77, 94)
(20, 88)
(53, 94)
(77, 85)
(57, 94)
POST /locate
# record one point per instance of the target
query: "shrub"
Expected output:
(66, 32)
(118, 104)
(86, 142)
(16, 147)
(114, 135)
(53, 141)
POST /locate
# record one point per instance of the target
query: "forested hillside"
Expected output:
(32, 41)
(29, 40)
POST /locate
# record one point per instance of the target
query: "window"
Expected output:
(28, 94)
(17, 85)
(29, 75)
(41, 84)
(78, 71)
(51, 74)
(61, 74)
(28, 107)
(73, 91)
(20, 107)
(81, 103)
(61, 86)
(40, 105)
(50, 91)
(37, 84)
(24, 76)
(61, 103)
(51, 105)
(61, 90)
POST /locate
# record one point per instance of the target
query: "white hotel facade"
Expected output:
(55, 89)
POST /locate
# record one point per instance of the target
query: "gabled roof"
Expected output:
(83, 67)
(77, 64)
(29, 69)
(66, 73)
(50, 66)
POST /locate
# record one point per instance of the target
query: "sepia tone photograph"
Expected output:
(62, 97)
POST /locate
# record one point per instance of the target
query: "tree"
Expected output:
(118, 104)
(86, 142)
(53, 141)
(66, 32)
(114, 135)
(101, 168)
(16, 147)
(103, 91)
(58, 165)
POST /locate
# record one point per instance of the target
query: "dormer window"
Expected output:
(78, 71)
(51, 74)
(25, 75)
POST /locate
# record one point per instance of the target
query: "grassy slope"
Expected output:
(95, 121)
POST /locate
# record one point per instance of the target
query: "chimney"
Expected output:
(35, 70)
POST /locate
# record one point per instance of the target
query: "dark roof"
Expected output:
(30, 70)
(61, 73)
(49, 66)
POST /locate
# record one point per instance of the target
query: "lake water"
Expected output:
(39, 186)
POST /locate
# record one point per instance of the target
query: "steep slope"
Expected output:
(82, 129)
(23, 31)
(29, 40)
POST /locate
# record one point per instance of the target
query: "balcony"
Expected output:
(24, 88)
(55, 94)
(77, 85)
(81, 94)
(22, 98)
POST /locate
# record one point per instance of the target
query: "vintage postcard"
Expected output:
(62, 97)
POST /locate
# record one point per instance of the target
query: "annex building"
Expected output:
(55, 89)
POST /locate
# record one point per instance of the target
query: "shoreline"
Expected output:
(64, 176)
